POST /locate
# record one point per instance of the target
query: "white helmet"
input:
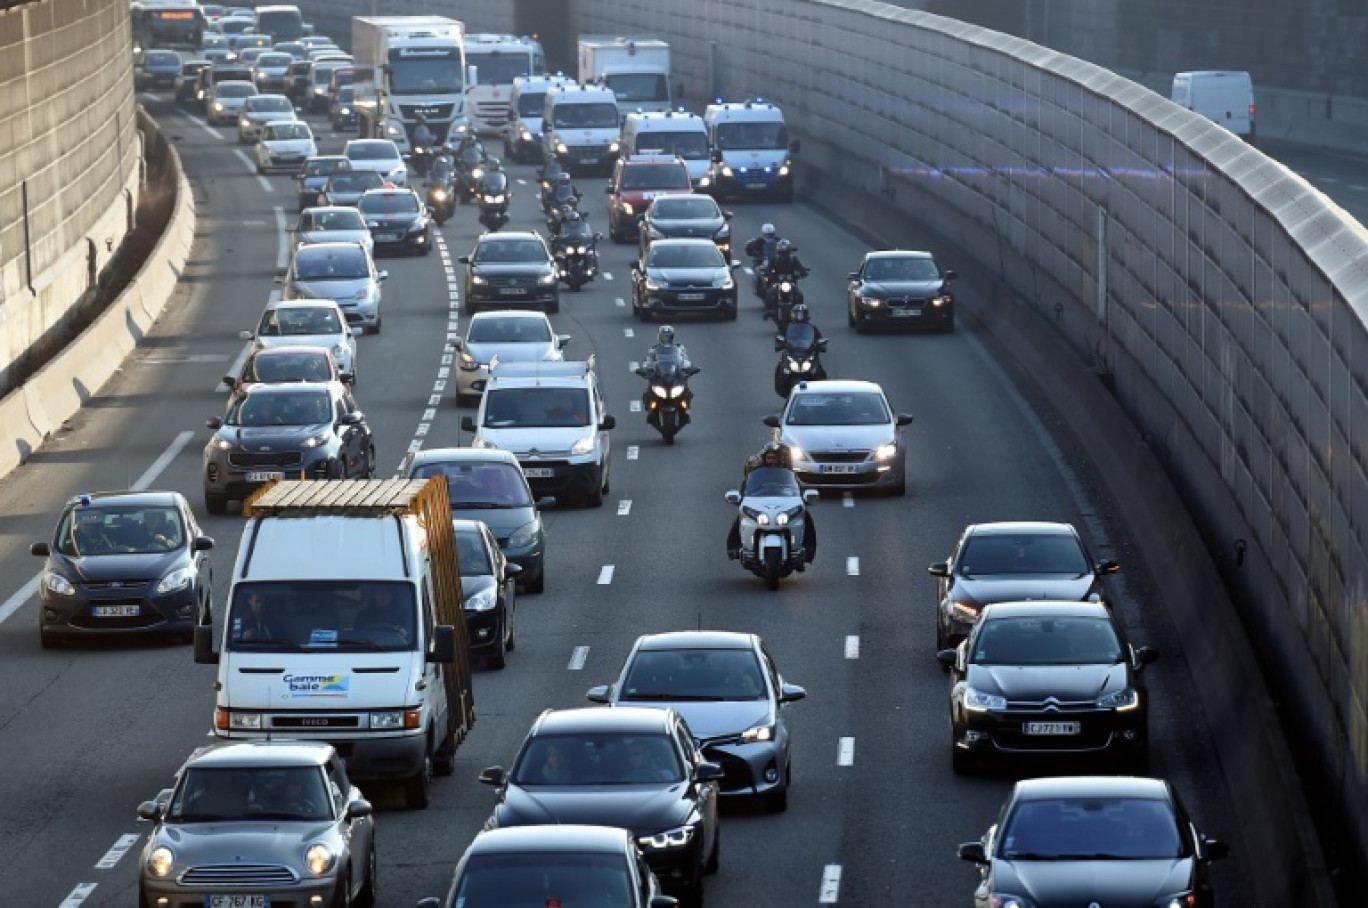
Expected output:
(767, 231)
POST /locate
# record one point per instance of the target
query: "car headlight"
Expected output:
(627, 207)
(726, 170)
(58, 584)
(677, 391)
(884, 452)
(319, 859)
(784, 169)
(782, 519)
(652, 285)
(477, 172)
(345, 111)
(525, 136)
(223, 444)
(762, 518)
(582, 250)
(176, 580)
(757, 733)
(547, 278)
(218, 106)
(613, 146)
(1121, 700)
(872, 302)
(468, 362)
(940, 300)
(965, 611)
(670, 838)
(560, 148)
(796, 453)
(364, 294)
(314, 441)
(160, 861)
(476, 279)
(244, 721)
(482, 601)
(1181, 900)
(978, 701)
(727, 282)
(524, 535)
(583, 446)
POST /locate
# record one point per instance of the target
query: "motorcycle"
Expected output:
(494, 196)
(421, 159)
(773, 511)
(799, 358)
(440, 190)
(667, 397)
(469, 170)
(556, 217)
(782, 296)
(576, 261)
(760, 269)
(547, 180)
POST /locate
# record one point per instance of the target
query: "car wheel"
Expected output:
(536, 586)
(859, 324)
(260, 170)
(370, 463)
(729, 313)
(498, 660)
(216, 504)
(369, 888)
(641, 314)
(553, 308)
(418, 788)
(850, 316)
(379, 323)
(594, 499)
(512, 642)
(444, 761)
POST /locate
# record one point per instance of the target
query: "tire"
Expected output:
(444, 760)
(554, 308)
(342, 898)
(370, 463)
(850, 317)
(370, 885)
(594, 499)
(641, 314)
(538, 586)
(418, 788)
(499, 660)
(216, 504)
(669, 437)
(771, 569)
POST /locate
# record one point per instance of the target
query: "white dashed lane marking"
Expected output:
(845, 753)
(853, 566)
(577, 658)
(78, 895)
(628, 332)
(847, 500)
(852, 647)
(634, 406)
(605, 575)
(120, 849)
(830, 890)
(619, 302)
(632, 452)
(624, 507)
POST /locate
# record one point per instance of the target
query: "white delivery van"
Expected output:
(750, 151)
(1225, 97)
(580, 125)
(345, 623)
(522, 136)
(681, 134)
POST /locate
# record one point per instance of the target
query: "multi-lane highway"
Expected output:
(875, 814)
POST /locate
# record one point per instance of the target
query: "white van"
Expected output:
(345, 623)
(1224, 97)
(750, 150)
(522, 136)
(580, 125)
(681, 134)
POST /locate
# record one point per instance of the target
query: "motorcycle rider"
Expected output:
(574, 231)
(761, 250)
(422, 144)
(786, 266)
(773, 454)
(800, 337)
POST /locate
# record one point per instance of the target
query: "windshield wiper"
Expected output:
(353, 641)
(269, 642)
(1032, 856)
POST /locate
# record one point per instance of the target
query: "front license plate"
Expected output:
(904, 313)
(1053, 728)
(755, 185)
(117, 611)
(237, 901)
(264, 477)
(538, 472)
(840, 468)
(387, 237)
(691, 297)
(513, 291)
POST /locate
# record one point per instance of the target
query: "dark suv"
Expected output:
(634, 183)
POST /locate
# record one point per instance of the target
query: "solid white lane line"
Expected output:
(632, 452)
(852, 647)
(845, 753)
(605, 575)
(853, 566)
(830, 889)
(111, 857)
(24, 594)
(624, 507)
(283, 239)
(577, 658)
(78, 895)
(150, 475)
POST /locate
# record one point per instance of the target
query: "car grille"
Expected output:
(240, 458)
(905, 302)
(324, 721)
(839, 456)
(240, 874)
(125, 587)
(430, 111)
(494, 113)
(736, 772)
(587, 152)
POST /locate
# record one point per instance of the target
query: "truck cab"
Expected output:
(751, 151)
(580, 126)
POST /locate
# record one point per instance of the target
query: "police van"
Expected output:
(677, 133)
(580, 125)
(522, 137)
(751, 151)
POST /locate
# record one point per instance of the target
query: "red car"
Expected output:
(635, 182)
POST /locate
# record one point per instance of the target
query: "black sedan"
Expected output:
(124, 562)
(680, 276)
(639, 769)
(487, 582)
(900, 289)
(508, 270)
(345, 186)
(687, 216)
(1048, 679)
(1009, 561)
(1119, 842)
(398, 220)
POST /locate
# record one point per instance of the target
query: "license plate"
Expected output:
(387, 237)
(755, 185)
(117, 611)
(691, 297)
(264, 476)
(840, 468)
(513, 291)
(904, 313)
(1053, 728)
(237, 901)
(538, 472)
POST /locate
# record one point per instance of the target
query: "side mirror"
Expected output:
(707, 772)
(636, 267)
(949, 275)
(349, 419)
(853, 276)
(149, 810)
(562, 340)
(789, 693)
(607, 424)
(778, 343)
(41, 549)
(443, 649)
(467, 424)
(904, 419)
(458, 344)
(245, 335)
(727, 215)
(381, 275)
(795, 146)
(546, 501)
(464, 260)
(229, 382)
(359, 808)
(811, 496)
(494, 775)
(947, 657)
(821, 345)
(608, 190)
(732, 496)
(512, 570)
(204, 645)
(973, 851)
(772, 421)
(1107, 567)
(202, 544)
(1214, 849)
(597, 694)
(939, 569)
(214, 423)
(1146, 656)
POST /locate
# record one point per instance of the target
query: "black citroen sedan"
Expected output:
(121, 563)
(687, 216)
(398, 220)
(900, 289)
(510, 270)
(1048, 679)
(679, 276)
(1093, 840)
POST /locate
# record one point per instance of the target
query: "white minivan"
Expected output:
(1225, 97)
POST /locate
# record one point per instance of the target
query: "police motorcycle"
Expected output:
(773, 510)
(781, 298)
(575, 248)
(470, 167)
(440, 188)
(547, 178)
(667, 397)
(561, 194)
(494, 194)
(800, 352)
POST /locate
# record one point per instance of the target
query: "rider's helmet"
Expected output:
(446, 148)
(767, 231)
(491, 164)
(773, 454)
(665, 335)
(800, 313)
(572, 216)
(563, 178)
(784, 248)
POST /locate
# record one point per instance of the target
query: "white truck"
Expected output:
(407, 67)
(1226, 97)
(636, 69)
(498, 60)
(345, 623)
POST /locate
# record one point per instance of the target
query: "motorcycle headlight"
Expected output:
(439, 194)
(581, 250)
(319, 859)
(493, 200)
(757, 733)
(670, 838)
(885, 452)
(482, 601)
(524, 535)
(784, 169)
(785, 287)
(977, 701)
(176, 580)
(762, 518)
(548, 278)
(223, 444)
(660, 391)
(477, 172)
(160, 861)
(58, 584)
(782, 520)
(314, 441)
(583, 446)
(1121, 700)
(560, 148)
(345, 111)
(677, 391)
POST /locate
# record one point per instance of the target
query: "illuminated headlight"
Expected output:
(1121, 700)
(160, 861)
(796, 453)
(581, 250)
(525, 136)
(548, 278)
(1182, 900)
(965, 611)
(524, 535)
(799, 366)
(439, 194)
(261, 77)
(476, 279)
(313, 441)
(482, 601)
(726, 170)
(757, 733)
(784, 169)
(627, 208)
(223, 444)
(672, 838)
(218, 106)
(677, 391)
(872, 302)
(704, 181)
(660, 391)
(176, 580)
(884, 452)
(762, 518)
(785, 287)
(561, 149)
(651, 285)
(319, 859)
(727, 282)
(391, 129)
(479, 442)
(469, 363)
(58, 584)
(345, 111)
(782, 520)
(613, 146)
(583, 446)
(477, 173)
(493, 200)
(244, 721)
(978, 701)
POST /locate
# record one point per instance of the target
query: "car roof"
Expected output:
(124, 498)
(331, 247)
(898, 254)
(1018, 527)
(509, 313)
(329, 209)
(666, 242)
(560, 838)
(241, 754)
(672, 640)
(1046, 608)
(464, 455)
(509, 235)
(290, 351)
(593, 719)
(1091, 786)
(836, 385)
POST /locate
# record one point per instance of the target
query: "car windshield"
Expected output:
(771, 482)
(322, 615)
(1046, 641)
(389, 203)
(693, 255)
(497, 68)
(274, 61)
(510, 251)
(509, 331)
(901, 269)
(372, 151)
(250, 793)
(358, 182)
(655, 176)
(691, 145)
(536, 407)
(315, 264)
(337, 219)
(986, 554)
(693, 674)
(684, 208)
(270, 105)
(233, 89)
(162, 58)
(289, 131)
(1100, 828)
(765, 136)
(471, 555)
(532, 104)
(287, 365)
(838, 408)
(270, 407)
(598, 759)
(522, 879)
(585, 116)
(130, 530)
(472, 485)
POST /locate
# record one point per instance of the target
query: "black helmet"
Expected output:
(784, 247)
(800, 313)
(665, 335)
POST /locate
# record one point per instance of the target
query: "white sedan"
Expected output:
(284, 145)
(379, 155)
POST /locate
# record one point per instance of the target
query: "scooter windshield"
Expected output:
(772, 482)
(667, 364)
(800, 337)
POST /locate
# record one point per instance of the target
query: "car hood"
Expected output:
(534, 442)
(330, 288)
(531, 270)
(243, 841)
(713, 720)
(692, 227)
(291, 146)
(688, 277)
(1015, 587)
(540, 351)
(303, 340)
(839, 438)
(101, 568)
(1114, 884)
(1037, 682)
(362, 237)
(644, 809)
(474, 583)
(265, 116)
(900, 288)
(379, 166)
(501, 521)
(271, 438)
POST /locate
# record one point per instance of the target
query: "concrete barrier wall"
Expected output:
(69, 153)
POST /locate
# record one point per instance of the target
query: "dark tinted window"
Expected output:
(1101, 828)
(527, 879)
(693, 674)
(993, 553)
(1046, 641)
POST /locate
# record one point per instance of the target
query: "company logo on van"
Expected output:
(333, 684)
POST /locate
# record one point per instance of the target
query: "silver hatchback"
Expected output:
(510, 336)
(344, 272)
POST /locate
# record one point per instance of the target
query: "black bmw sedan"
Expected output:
(121, 563)
(398, 220)
(900, 289)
